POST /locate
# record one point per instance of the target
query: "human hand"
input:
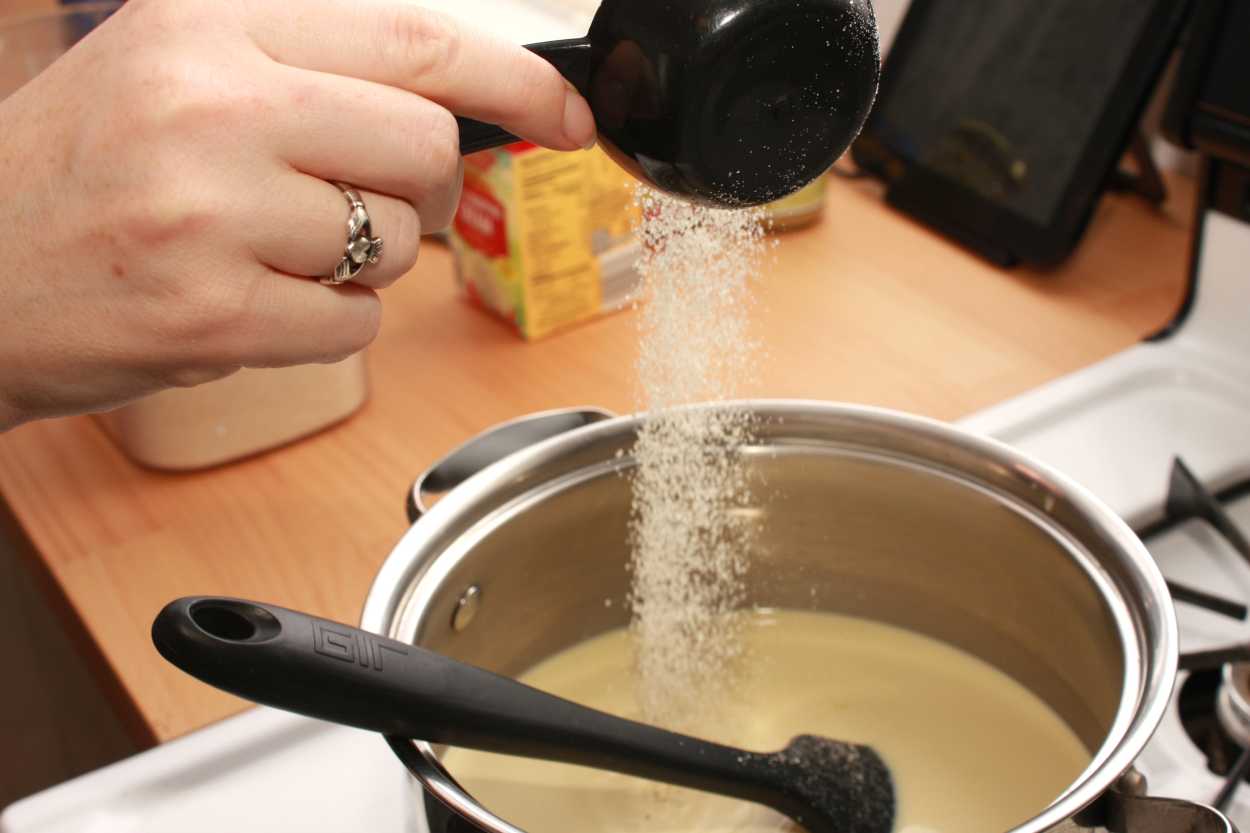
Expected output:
(168, 201)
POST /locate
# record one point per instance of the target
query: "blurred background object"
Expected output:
(34, 33)
(56, 715)
(254, 410)
(1210, 111)
(1001, 124)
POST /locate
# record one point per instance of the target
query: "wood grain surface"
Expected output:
(55, 722)
(865, 307)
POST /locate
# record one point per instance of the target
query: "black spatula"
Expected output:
(338, 673)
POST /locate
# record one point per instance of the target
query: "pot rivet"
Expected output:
(466, 608)
(1132, 783)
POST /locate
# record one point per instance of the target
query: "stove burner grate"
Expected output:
(1198, 713)
(1214, 701)
(1189, 500)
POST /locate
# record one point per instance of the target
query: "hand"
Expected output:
(168, 200)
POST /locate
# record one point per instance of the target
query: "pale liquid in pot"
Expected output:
(971, 750)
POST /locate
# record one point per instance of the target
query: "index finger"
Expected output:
(433, 55)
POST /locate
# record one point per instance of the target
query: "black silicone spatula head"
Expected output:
(834, 786)
(335, 672)
(731, 102)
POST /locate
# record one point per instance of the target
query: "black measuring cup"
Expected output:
(726, 102)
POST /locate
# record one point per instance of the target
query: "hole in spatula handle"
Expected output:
(233, 621)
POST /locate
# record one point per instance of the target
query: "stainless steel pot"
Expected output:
(865, 512)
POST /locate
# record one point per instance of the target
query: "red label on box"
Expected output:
(481, 161)
(480, 221)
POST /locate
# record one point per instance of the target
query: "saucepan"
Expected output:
(866, 512)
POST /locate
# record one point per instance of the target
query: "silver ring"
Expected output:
(362, 247)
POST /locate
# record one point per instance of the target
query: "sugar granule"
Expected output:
(690, 540)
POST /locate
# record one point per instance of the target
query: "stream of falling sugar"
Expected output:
(690, 539)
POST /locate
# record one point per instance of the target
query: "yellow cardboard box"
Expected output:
(544, 238)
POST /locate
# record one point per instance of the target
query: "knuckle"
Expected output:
(194, 376)
(204, 311)
(448, 203)
(184, 98)
(216, 314)
(356, 334)
(371, 324)
(435, 155)
(163, 219)
(432, 149)
(442, 143)
(406, 235)
(424, 43)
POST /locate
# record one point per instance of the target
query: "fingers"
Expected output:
(375, 137)
(292, 321)
(397, 43)
(301, 229)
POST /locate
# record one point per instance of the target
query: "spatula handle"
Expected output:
(335, 672)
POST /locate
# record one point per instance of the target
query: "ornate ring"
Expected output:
(362, 247)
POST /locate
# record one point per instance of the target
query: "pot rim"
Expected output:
(1137, 716)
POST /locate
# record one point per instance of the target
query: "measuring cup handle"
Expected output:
(492, 446)
(478, 135)
(571, 57)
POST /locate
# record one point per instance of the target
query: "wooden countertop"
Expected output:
(865, 307)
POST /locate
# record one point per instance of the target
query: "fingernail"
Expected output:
(579, 122)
